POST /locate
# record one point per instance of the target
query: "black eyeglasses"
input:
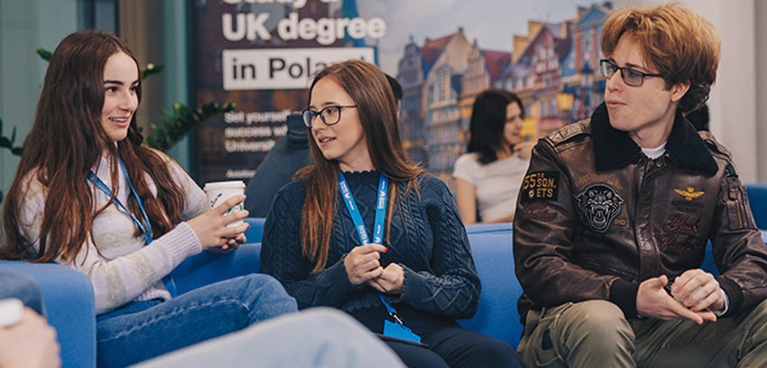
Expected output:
(631, 77)
(330, 115)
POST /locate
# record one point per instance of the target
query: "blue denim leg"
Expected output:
(20, 286)
(146, 329)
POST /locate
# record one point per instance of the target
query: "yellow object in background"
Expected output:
(529, 130)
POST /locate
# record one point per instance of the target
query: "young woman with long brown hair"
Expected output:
(88, 194)
(366, 231)
(489, 175)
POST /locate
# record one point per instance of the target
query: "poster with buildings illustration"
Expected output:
(261, 55)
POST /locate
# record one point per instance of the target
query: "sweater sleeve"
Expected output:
(128, 269)
(452, 287)
(282, 257)
(122, 279)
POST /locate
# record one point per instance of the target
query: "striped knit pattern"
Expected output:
(126, 270)
(427, 239)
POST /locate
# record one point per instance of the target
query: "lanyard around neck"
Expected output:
(351, 205)
(147, 231)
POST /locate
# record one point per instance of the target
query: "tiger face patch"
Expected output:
(599, 204)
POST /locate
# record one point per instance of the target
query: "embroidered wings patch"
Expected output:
(689, 194)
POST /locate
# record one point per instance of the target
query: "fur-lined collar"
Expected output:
(614, 148)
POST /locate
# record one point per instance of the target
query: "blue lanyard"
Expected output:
(105, 189)
(147, 231)
(351, 206)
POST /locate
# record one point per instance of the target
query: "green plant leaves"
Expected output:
(7, 143)
(180, 121)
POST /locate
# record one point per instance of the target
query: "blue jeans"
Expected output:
(145, 329)
(20, 286)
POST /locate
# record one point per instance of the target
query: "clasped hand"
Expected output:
(210, 227)
(696, 294)
(363, 265)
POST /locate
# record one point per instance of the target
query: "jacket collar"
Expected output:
(614, 148)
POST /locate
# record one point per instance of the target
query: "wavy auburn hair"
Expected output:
(66, 141)
(679, 43)
(377, 110)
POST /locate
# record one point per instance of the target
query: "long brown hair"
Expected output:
(368, 87)
(66, 141)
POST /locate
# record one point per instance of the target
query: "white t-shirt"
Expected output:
(497, 183)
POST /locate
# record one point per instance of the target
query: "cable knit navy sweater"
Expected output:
(427, 238)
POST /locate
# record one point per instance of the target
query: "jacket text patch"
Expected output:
(541, 185)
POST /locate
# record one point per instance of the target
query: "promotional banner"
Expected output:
(261, 54)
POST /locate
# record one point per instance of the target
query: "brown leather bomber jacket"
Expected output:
(595, 217)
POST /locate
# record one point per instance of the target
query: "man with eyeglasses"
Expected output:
(615, 213)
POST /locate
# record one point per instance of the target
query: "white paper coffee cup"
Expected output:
(220, 191)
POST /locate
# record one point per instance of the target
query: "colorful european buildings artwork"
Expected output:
(553, 69)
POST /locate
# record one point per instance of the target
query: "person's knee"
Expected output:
(259, 283)
(264, 293)
(597, 322)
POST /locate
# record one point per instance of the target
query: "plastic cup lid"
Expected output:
(233, 184)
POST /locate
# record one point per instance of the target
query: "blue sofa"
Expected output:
(757, 196)
(491, 246)
(69, 296)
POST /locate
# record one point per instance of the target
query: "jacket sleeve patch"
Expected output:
(540, 186)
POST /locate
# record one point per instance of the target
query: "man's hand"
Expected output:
(390, 281)
(698, 290)
(653, 301)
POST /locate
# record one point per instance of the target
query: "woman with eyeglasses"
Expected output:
(489, 175)
(366, 231)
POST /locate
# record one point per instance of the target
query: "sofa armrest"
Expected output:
(69, 306)
(207, 268)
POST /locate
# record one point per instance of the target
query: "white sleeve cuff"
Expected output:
(726, 304)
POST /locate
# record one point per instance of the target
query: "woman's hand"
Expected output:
(524, 149)
(390, 281)
(362, 264)
(210, 227)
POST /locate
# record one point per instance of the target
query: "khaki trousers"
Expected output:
(596, 334)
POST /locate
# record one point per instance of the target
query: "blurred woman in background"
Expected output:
(489, 175)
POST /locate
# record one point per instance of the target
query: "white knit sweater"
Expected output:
(126, 269)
